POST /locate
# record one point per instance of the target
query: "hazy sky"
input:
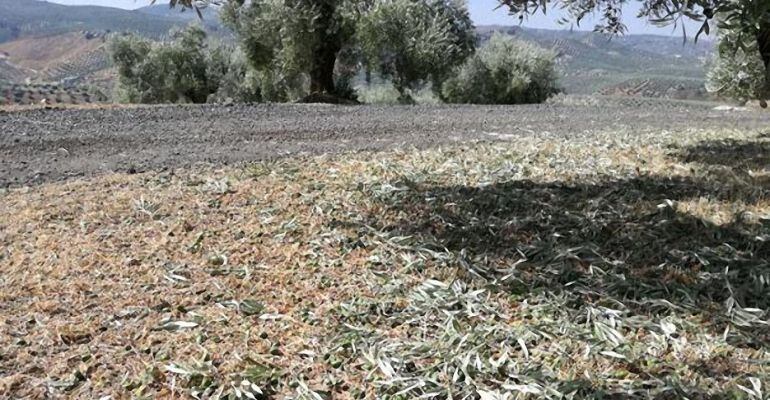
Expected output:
(482, 12)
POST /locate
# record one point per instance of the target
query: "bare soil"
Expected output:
(42, 145)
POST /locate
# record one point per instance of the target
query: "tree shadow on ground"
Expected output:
(740, 155)
(645, 245)
(605, 242)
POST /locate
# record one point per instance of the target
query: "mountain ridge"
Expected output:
(33, 18)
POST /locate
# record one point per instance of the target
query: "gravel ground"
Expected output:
(39, 146)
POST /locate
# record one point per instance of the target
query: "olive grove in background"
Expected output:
(301, 47)
(292, 50)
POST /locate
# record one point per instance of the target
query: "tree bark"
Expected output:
(322, 73)
(325, 55)
(763, 41)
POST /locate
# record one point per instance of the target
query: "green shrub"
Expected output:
(188, 69)
(127, 53)
(504, 71)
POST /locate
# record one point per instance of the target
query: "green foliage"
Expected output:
(299, 47)
(737, 70)
(186, 69)
(744, 16)
(237, 80)
(258, 27)
(294, 44)
(504, 71)
(128, 52)
(414, 41)
(747, 20)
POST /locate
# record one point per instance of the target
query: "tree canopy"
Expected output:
(412, 42)
(748, 21)
(286, 40)
(736, 71)
(307, 47)
(188, 68)
(504, 71)
(182, 70)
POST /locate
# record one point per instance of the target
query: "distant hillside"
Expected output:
(210, 16)
(68, 57)
(163, 10)
(45, 44)
(25, 18)
(8, 71)
(643, 65)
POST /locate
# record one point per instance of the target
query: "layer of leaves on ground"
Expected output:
(598, 266)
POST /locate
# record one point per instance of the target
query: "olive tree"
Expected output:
(415, 41)
(305, 46)
(186, 69)
(127, 53)
(747, 20)
(291, 40)
(504, 71)
(237, 80)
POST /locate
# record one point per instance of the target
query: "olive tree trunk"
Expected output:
(763, 41)
(322, 73)
(328, 46)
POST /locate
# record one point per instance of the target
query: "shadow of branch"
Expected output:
(608, 242)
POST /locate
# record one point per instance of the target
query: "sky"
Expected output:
(482, 12)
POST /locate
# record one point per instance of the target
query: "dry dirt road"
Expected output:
(39, 146)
